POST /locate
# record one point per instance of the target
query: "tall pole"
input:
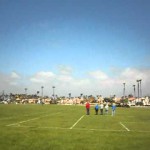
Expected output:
(42, 91)
(3, 95)
(134, 89)
(53, 91)
(26, 92)
(124, 90)
(140, 88)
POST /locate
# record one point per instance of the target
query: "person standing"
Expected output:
(113, 109)
(96, 109)
(101, 108)
(87, 108)
(106, 108)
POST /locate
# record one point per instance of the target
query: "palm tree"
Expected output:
(26, 92)
(69, 95)
(81, 95)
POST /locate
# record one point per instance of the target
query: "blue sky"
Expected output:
(80, 46)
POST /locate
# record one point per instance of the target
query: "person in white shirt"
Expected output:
(101, 108)
(106, 108)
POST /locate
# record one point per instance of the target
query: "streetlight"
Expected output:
(42, 90)
(134, 89)
(124, 90)
(26, 92)
(53, 91)
(140, 88)
(3, 95)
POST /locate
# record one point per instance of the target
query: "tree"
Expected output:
(69, 95)
(108, 99)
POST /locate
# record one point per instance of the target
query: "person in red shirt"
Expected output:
(87, 108)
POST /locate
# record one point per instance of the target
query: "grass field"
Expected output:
(56, 127)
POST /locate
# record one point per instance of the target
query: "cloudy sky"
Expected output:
(78, 46)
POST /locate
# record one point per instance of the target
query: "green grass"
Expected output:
(56, 127)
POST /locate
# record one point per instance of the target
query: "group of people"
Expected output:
(101, 108)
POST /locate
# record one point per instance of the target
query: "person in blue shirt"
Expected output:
(96, 109)
(113, 109)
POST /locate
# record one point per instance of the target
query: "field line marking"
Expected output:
(57, 128)
(136, 122)
(21, 122)
(124, 126)
(82, 129)
(6, 118)
(30, 120)
(76, 122)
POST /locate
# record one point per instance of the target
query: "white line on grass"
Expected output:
(59, 128)
(124, 126)
(76, 122)
(22, 122)
(82, 129)
(135, 122)
(26, 115)
(30, 120)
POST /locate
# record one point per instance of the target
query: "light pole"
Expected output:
(53, 91)
(3, 95)
(26, 92)
(42, 91)
(124, 90)
(69, 95)
(134, 90)
(140, 88)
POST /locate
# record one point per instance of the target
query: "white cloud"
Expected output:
(64, 78)
(42, 77)
(15, 75)
(131, 73)
(95, 83)
(98, 75)
(13, 83)
(64, 69)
